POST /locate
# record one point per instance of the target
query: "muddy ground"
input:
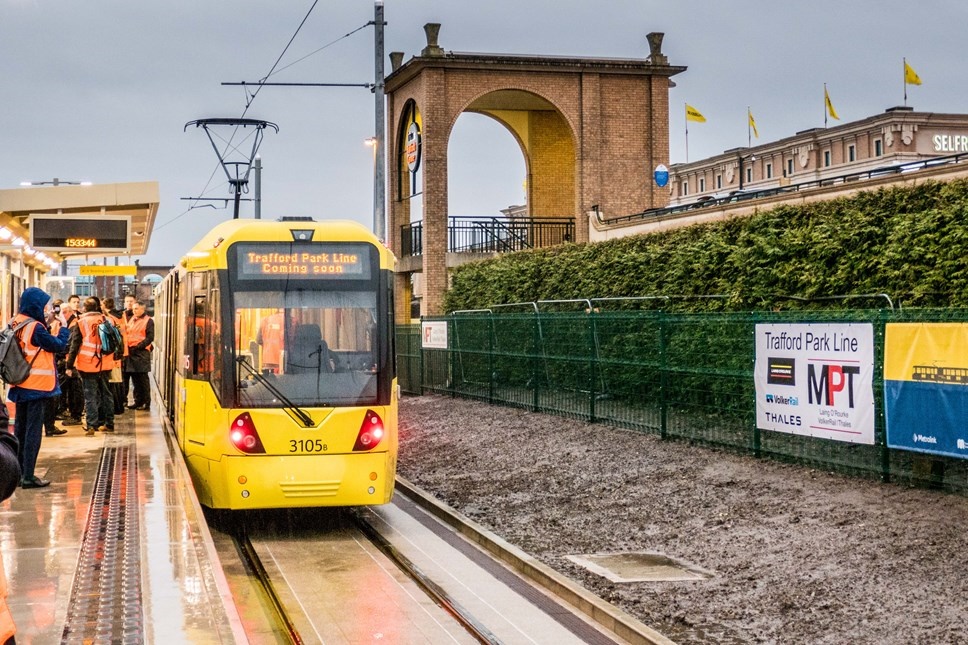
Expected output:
(798, 555)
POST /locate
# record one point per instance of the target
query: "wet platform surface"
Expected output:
(69, 572)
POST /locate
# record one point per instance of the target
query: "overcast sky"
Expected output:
(100, 90)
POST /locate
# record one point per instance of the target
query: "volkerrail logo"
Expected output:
(779, 399)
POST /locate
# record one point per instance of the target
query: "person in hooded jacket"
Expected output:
(32, 396)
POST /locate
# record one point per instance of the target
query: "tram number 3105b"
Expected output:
(307, 445)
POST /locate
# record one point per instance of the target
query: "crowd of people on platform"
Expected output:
(71, 379)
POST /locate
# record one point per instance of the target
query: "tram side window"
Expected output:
(201, 329)
(213, 339)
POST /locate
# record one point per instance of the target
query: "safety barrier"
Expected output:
(677, 375)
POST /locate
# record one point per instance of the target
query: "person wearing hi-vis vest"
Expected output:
(272, 337)
(84, 357)
(32, 396)
(137, 364)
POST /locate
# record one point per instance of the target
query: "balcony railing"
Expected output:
(468, 234)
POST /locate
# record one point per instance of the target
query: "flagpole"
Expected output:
(749, 134)
(685, 111)
(824, 105)
(904, 78)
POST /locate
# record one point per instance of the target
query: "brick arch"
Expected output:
(592, 131)
(547, 139)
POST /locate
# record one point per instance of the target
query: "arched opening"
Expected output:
(486, 170)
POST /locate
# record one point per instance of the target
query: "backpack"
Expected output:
(14, 368)
(111, 342)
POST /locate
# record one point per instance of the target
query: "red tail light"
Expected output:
(371, 432)
(244, 435)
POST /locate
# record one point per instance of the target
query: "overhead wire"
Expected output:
(251, 98)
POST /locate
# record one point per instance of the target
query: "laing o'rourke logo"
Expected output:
(832, 380)
(781, 371)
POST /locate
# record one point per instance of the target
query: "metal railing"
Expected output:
(745, 195)
(677, 375)
(469, 234)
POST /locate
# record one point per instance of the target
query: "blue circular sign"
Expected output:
(661, 175)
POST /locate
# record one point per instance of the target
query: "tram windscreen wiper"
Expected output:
(290, 407)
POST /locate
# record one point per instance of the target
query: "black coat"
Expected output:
(139, 357)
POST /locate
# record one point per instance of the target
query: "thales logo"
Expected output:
(920, 438)
(779, 399)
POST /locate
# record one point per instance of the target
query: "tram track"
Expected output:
(321, 572)
(253, 564)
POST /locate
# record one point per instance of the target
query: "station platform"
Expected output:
(116, 549)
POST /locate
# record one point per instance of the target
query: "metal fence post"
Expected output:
(757, 436)
(490, 358)
(592, 364)
(663, 376)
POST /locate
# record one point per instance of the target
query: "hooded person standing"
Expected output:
(31, 397)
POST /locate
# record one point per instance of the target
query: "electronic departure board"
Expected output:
(81, 234)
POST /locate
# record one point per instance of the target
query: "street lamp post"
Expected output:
(56, 182)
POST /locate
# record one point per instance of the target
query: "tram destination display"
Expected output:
(302, 261)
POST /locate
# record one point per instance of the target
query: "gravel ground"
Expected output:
(798, 555)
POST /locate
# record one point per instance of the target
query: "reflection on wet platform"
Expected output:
(42, 540)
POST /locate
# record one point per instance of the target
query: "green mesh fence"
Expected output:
(678, 375)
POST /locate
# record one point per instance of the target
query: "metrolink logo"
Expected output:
(779, 399)
(832, 380)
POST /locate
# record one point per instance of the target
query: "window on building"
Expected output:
(749, 175)
(826, 158)
(685, 188)
(851, 153)
(719, 182)
(769, 171)
(789, 167)
(878, 147)
(702, 184)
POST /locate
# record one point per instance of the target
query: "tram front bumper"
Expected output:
(277, 481)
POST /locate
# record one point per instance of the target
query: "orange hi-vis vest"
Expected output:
(273, 337)
(137, 331)
(43, 375)
(89, 355)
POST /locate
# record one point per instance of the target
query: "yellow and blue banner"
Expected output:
(926, 387)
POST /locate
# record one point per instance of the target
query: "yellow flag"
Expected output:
(692, 114)
(830, 106)
(910, 76)
(753, 123)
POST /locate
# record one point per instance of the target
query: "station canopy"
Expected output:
(135, 201)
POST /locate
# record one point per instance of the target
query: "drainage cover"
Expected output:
(639, 567)
(105, 605)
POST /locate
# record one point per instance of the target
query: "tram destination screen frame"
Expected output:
(80, 234)
(303, 261)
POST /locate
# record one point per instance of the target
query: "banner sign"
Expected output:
(926, 387)
(433, 334)
(816, 380)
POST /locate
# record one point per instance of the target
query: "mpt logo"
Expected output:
(832, 379)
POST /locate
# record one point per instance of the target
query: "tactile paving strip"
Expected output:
(106, 605)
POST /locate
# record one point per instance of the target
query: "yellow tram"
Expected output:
(276, 364)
